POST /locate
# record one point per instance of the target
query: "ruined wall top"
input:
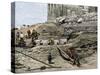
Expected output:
(58, 10)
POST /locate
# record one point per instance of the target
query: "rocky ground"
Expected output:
(26, 64)
(35, 59)
(86, 45)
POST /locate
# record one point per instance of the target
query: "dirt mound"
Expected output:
(85, 39)
(85, 43)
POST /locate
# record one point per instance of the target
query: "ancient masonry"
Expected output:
(57, 10)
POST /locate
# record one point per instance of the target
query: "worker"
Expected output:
(22, 41)
(34, 37)
(74, 55)
(50, 58)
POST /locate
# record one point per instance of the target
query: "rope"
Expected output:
(38, 60)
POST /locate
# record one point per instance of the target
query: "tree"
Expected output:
(28, 25)
(24, 25)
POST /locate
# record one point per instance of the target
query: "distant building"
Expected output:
(57, 10)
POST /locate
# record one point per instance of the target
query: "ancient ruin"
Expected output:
(48, 47)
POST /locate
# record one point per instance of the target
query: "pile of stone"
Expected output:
(77, 18)
(67, 19)
(90, 17)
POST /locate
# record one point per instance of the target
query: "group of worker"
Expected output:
(20, 38)
(34, 35)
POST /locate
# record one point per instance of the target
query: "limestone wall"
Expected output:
(57, 10)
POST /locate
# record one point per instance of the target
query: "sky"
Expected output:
(30, 13)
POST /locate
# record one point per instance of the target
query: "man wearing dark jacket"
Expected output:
(74, 55)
